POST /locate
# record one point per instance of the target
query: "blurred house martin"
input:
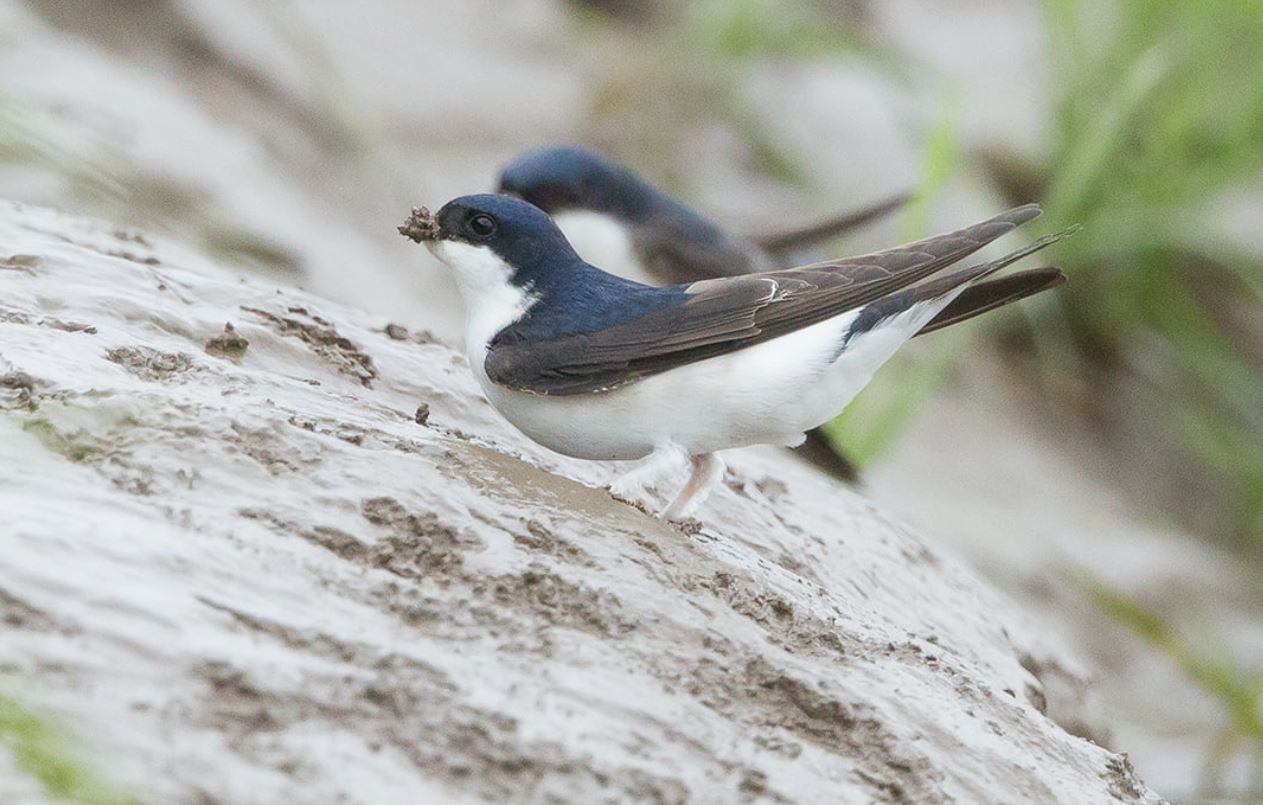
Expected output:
(618, 221)
(596, 366)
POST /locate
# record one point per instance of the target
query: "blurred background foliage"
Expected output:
(1160, 124)
(1206, 659)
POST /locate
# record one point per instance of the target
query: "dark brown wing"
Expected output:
(722, 315)
(797, 239)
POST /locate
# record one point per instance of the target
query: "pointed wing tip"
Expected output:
(1023, 214)
(1054, 276)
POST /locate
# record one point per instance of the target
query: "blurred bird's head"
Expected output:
(569, 178)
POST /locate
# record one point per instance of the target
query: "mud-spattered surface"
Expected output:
(266, 581)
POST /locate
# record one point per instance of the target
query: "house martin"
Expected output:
(597, 366)
(617, 220)
(620, 222)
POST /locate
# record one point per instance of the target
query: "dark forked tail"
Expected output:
(974, 298)
(985, 296)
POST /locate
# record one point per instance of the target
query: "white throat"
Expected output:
(492, 301)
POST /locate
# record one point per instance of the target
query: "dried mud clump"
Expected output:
(541, 539)
(397, 332)
(339, 542)
(228, 344)
(415, 546)
(275, 453)
(420, 226)
(1122, 779)
(150, 364)
(785, 626)
(68, 326)
(132, 257)
(323, 339)
(11, 316)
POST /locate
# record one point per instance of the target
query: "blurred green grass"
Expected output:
(1161, 120)
(1207, 660)
(41, 750)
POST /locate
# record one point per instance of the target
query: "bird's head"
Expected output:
(489, 239)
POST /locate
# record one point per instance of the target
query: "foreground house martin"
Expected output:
(600, 367)
(620, 222)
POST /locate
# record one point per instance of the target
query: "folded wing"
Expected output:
(714, 317)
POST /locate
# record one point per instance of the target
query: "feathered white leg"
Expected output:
(635, 484)
(708, 468)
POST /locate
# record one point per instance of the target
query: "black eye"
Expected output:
(482, 225)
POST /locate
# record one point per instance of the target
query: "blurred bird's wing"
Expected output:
(714, 317)
(673, 259)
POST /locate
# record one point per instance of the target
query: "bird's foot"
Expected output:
(638, 487)
(708, 469)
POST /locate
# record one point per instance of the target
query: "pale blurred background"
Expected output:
(1097, 452)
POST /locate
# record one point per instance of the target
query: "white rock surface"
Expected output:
(260, 579)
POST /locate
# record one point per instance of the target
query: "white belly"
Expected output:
(767, 394)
